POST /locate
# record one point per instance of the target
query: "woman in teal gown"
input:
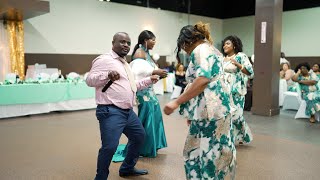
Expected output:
(149, 110)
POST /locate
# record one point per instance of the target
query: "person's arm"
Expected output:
(242, 62)
(146, 82)
(308, 82)
(295, 77)
(204, 75)
(196, 88)
(98, 75)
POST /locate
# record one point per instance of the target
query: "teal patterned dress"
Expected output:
(311, 94)
(209, 151)
(237, 82)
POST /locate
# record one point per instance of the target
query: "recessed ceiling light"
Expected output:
(108, 0)
(101, 0)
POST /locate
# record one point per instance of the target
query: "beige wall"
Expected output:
(87, 27)
(300, 32)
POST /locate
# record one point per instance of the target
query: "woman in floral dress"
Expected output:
(237, 71)
(309, 89)
(209, 152)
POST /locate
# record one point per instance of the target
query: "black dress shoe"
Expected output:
(134, 172)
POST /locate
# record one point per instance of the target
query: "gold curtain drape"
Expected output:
(16, 42)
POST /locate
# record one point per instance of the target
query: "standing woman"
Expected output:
(237, 71)
(209, 152)
(149, 110)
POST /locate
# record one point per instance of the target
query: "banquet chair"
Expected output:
(292, 100)
(176, 92)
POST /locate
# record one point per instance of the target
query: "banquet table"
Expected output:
(26, 99)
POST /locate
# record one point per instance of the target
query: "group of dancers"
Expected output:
(212, 102)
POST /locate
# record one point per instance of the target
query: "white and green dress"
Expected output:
(311, 94)
(237, 82)
(209, 151)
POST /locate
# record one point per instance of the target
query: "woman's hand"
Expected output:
(113, 75)
(234, 62)
(161, 72)
(154, 78)
(170, 107)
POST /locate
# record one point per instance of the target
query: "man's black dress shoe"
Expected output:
(134, 172)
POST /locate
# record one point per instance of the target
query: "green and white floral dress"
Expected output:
(311, 94)
(237, 82)
(209, 151)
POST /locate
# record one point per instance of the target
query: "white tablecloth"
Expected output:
(29, 109)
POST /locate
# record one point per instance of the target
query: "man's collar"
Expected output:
(116, 56)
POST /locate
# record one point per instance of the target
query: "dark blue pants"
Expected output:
(113, 122)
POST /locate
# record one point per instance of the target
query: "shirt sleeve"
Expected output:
(143, 83)
(98, 75)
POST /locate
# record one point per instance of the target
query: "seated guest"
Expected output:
(309, 90)
(316, 70)
(286, 73)
(180, 76)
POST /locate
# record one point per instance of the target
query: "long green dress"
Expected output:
(238, 84)
(209, 151)
(149, 112)
(311, 94)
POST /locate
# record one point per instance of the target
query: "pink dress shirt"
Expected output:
(119, 93)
